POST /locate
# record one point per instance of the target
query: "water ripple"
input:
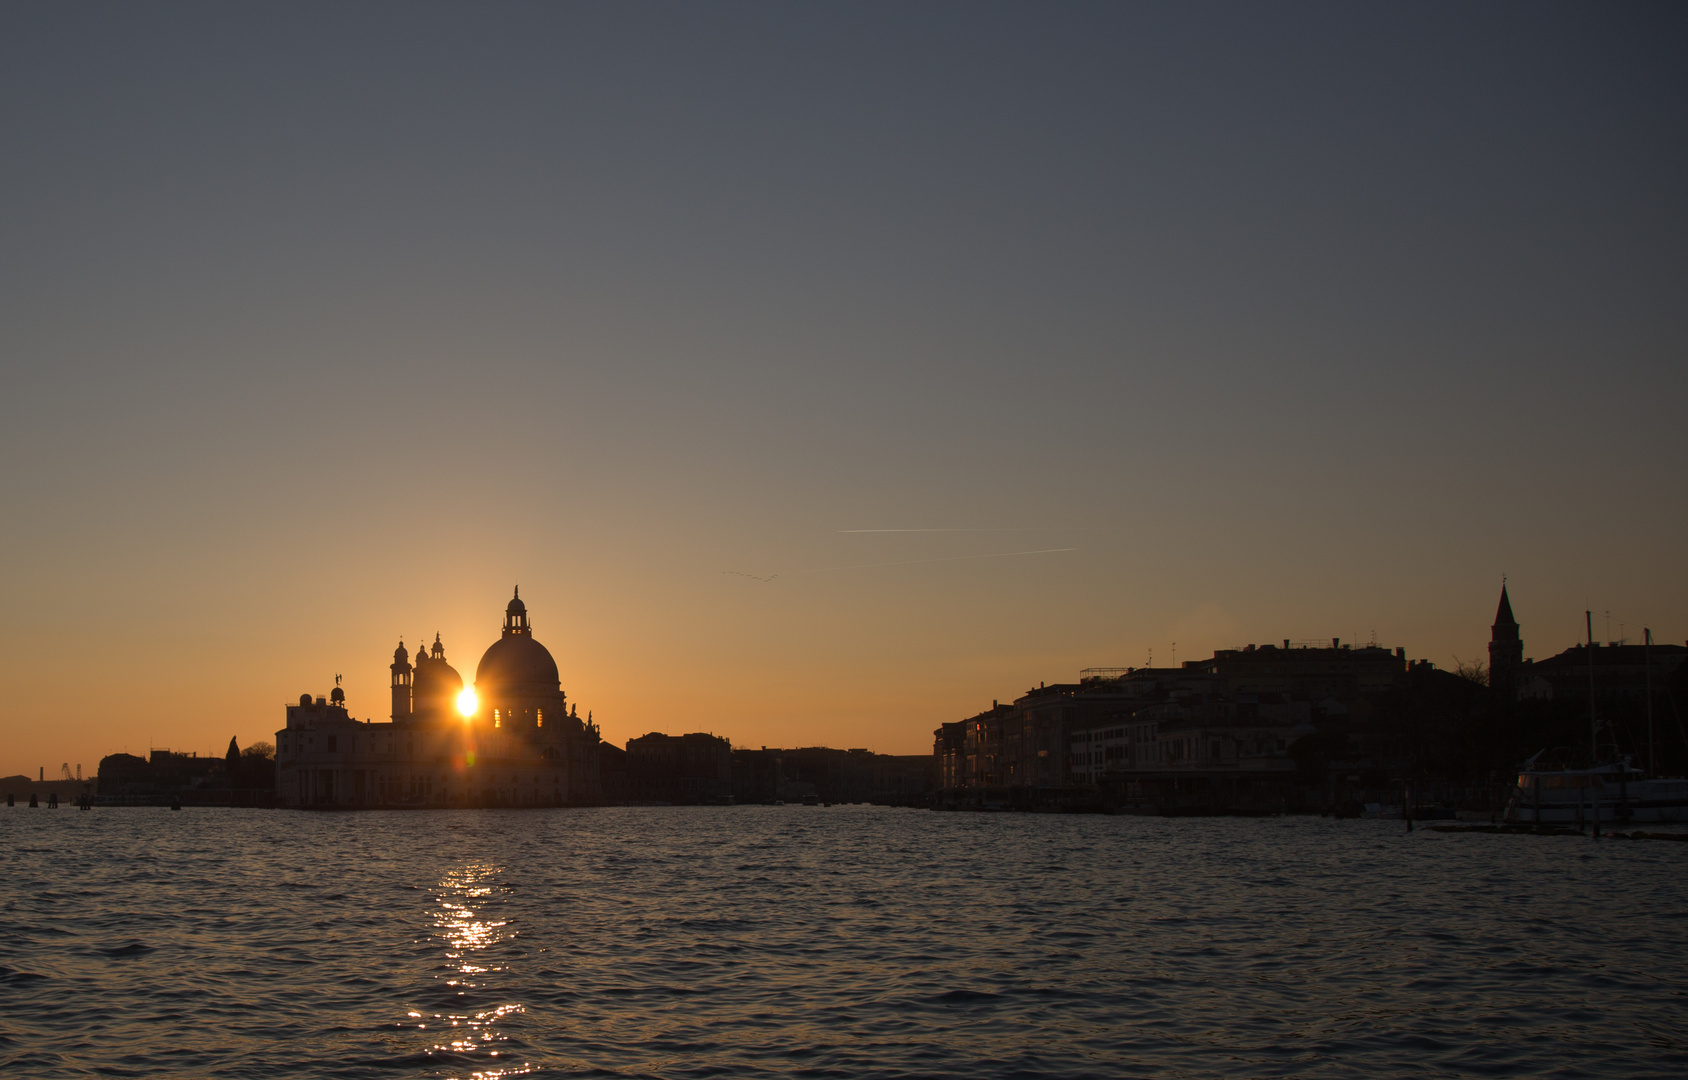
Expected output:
(818, 942)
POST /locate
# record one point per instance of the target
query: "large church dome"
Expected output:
(516, 664)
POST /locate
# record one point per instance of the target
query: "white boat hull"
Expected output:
(1587, 796)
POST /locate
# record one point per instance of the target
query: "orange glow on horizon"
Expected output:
(467, 702)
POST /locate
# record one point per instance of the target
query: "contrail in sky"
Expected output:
(902, 562)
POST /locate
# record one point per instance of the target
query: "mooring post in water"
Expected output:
(1407, 805)
(1623, 790)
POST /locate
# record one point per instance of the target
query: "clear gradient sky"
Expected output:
(326, 324)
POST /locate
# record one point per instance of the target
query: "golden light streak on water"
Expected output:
(464, 927)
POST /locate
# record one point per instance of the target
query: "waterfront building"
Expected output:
(758, 776)
(161, 774)
(702, 768)
(1619, 672)
(236, 778)
(856, 775)
(1308, 670)
(694, 768)
(1092, 752)
(1222, 725)
(522, 744)
(1312, 723)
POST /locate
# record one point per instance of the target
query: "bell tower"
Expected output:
(401, 682)
(1506, 650)
(515, 616)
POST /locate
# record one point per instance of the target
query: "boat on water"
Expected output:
(1548, 793)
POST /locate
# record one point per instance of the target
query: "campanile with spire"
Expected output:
(1506, 650)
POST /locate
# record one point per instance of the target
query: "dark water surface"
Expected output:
(843, 941)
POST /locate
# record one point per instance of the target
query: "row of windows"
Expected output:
(538, 718)
(331, 743)
(1100, 757)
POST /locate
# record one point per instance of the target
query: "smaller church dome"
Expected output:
(434, 693)
(399, 654)
(337, 696)
(304, 699)
(516, 607)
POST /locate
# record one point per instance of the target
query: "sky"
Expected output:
(733, 332)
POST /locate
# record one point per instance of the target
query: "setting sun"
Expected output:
(467, 703)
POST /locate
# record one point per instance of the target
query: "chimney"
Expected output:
(1336, 643)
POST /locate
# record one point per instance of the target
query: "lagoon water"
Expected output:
(828, 942)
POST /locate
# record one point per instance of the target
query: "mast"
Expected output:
(1647, 660)
(1593, 724)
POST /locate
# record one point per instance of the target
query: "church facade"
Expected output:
(516, 741)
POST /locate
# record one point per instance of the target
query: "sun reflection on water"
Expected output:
(464, 922)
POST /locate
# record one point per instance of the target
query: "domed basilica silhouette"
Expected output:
(521, 743)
